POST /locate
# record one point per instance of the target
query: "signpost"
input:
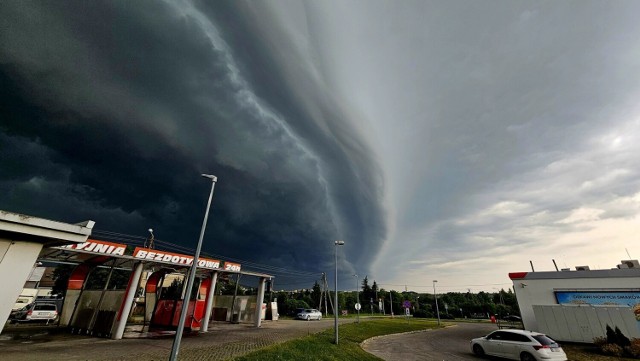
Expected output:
(407, 305)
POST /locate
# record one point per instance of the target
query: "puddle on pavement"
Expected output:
(27, 336)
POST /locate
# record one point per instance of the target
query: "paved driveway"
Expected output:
(450, 343)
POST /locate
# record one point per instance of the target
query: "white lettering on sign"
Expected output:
(174, 258)
(208, 263)
(233, 267)
(101, 247)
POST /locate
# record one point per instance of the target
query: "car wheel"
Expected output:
(525, 356)
(308, 317)
(319, 318)
(478, 350)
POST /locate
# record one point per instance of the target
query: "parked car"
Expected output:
(309, 314)
(512, 318)
(297, 311)
(518, 345)
(43, 312)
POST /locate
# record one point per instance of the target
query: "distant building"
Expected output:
(578, 305)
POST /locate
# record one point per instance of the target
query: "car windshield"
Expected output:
(46, 307)
(545, 341)
(309, 311)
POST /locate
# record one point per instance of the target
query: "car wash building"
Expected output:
(578, 305)
(109, 279)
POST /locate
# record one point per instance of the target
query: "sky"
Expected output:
(454, 141)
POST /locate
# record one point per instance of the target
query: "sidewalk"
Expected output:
(224, 341)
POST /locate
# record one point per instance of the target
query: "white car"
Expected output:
(518, 345)
(310, 314)
(44, 312)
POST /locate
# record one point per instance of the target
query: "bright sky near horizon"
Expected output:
(441, 140)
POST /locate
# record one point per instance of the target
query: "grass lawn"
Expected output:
(320, 346)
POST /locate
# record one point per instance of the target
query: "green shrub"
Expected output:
(612, 349)
(600, 341)
(634, 348)
(422, 314)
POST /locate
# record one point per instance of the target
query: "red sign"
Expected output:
(233, 267)
(100, 247)
(173, 258)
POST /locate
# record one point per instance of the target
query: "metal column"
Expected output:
(209, 304)
(259, 301)
(128, 301)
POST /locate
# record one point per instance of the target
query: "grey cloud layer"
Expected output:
(494, 123)
(119, 106)
(420, 132)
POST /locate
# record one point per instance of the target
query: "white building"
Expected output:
(578, 305)
(21, 240)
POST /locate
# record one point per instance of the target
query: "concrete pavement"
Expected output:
(224, 341)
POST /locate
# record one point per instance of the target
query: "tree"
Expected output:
(366, 289)
(315, 294)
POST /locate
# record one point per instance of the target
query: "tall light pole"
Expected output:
(435, 296)
(357, 300)
(192, 276)
(335, 295)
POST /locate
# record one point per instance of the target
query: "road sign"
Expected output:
(406, 304)
(358, 307)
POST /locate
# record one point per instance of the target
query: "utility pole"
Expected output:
(175, 348)
(321, 295)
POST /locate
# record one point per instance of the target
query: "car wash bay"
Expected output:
(110, 280)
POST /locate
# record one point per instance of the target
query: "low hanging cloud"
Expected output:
(112, 110)
(452, 141)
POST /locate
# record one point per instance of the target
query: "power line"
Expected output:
(444, 286)
(138, 240)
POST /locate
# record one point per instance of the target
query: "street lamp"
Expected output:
(192, 276)
(335, 295)
(357, 300)
(435, 296)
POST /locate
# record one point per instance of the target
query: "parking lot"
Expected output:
(451, 343)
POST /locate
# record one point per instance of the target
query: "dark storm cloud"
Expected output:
(110, 111)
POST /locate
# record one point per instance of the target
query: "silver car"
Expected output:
(43, 312)
(518, 345)
(309, 314)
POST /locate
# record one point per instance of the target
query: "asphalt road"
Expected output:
(450, 343)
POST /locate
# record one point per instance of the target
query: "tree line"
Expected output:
(375, 300)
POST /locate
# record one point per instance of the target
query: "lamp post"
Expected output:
(335, 295)
(357, 300)
(435, 296)
(192, 276)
